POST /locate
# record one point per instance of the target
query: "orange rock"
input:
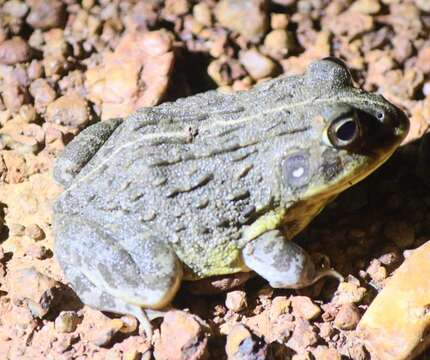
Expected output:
(236, 300)
(394, 326)
(136, 74)
(304, 307)
(68, 110)
(423, 62)
(39, 292)
(182, 337)
(242, 344)
(420, 125)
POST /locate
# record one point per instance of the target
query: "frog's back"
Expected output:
(195, 171)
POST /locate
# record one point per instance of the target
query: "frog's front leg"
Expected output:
(282, 262)
(82, 148)
(137, 277)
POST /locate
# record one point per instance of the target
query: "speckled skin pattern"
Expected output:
(211, 184)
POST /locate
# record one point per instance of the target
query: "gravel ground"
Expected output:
(67, 64)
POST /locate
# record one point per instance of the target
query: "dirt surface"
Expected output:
(67, 64)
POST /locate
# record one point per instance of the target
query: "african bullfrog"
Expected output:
(214, 184)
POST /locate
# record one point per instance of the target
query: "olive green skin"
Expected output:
(181, 189)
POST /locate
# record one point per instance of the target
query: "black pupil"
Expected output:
(346, 131)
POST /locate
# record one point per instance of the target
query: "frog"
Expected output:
(214, 184)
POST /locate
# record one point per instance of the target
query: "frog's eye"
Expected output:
(337, 61)
(345, 132)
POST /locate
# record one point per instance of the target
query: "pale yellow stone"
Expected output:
(394, 326)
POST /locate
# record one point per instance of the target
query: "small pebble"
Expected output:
(376, 271)
(325, 353)
(39, 292)
(66, 322)
(16, 229)
(257, 65)
(14, 51)
(243, 345)
(349, 293)
(326, 330)
(357, 351)
(132, 355)
(46, 14)
(177, 7)
(14, 96)
(348, 317)
(423, 60)
(39, 252)
(16, 9)
(113, 354)
(424, 5)
(278, 21)
(236, 301)
(278, 43)
(426, 88)
(304, 307)
(182, 336)
(103, 334)
(130, 324)
(403, 48)
(391, 256)
(42, 93)
(52, 65)
(34, 232)
(280, 306)
(68, 110)
(219, 72)
(304, 335)
(369, 7)
(247, 17)
(202, 13)
(27, 114)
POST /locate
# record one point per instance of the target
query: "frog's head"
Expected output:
(352, 133)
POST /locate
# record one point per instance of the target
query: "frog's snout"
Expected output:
(395, 123)
(384, 129)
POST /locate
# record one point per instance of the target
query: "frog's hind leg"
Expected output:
(282, 262)
(96, 298)
(138, 277)
(82, 148)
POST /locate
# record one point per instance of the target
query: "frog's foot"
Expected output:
(137, 276)
(282, 262)
(95, 297)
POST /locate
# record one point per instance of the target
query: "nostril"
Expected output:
(392, 121)
(380, 115)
